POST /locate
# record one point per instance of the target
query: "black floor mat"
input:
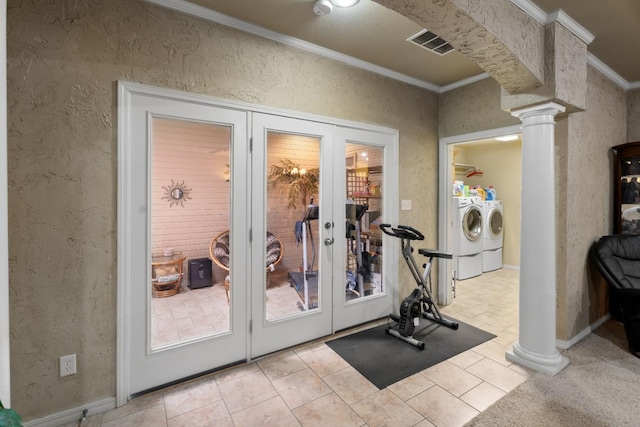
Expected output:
(384, 359)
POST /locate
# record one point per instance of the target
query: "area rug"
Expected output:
(599, 388)
(384, 359)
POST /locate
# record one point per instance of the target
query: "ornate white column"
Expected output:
(536, 345)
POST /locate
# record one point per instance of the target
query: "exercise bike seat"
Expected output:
(432, 253)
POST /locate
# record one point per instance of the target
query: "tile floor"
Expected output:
(197, 313)
(311, 385)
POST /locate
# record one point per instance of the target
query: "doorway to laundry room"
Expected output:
(242, 233)
(480, 207)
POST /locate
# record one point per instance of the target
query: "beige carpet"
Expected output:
(600, 387)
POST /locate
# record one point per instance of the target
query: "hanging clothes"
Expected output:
(298, 232)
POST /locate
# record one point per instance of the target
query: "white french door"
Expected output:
(367, 260)
(287, 210)
(165, 338)
(335, 261)
(295, 304)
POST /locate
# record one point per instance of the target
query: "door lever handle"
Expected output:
(328, 241)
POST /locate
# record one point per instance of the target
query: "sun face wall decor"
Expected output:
(176, 193)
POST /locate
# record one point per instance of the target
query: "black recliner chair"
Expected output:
(617, 258)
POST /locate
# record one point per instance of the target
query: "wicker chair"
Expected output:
(219, 253)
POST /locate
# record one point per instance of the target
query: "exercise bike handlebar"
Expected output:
(402, 232)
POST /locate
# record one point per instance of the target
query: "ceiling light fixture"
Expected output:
(507, 138)
(324, 7)
(344, 3)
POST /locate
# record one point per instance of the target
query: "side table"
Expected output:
(166, 274)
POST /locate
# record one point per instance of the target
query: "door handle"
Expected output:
(328, 241)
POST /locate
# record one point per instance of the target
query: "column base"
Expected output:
(547, 364)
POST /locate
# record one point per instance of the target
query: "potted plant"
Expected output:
(9, 417)
(298, 183)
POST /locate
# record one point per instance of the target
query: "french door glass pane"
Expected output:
(190, 211)
(291, 243)
(363, 217)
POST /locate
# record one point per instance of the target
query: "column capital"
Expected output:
(548, 108)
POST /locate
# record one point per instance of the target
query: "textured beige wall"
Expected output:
(586, 208)
(64, 60)
(565, 73)
(473, 108)
(569, 66)
(562, 172)
(516, 35)
(633, 117)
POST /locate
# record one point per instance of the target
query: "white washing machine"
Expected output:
(492, 235)
(467, 237)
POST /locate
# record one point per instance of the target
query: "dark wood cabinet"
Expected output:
(626, 190)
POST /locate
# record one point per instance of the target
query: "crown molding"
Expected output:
(559, 16)
(608, 72)
(526, 5)
(571, 24)
(188, 8)
(213, 16)
(464, 82)
(531, 9)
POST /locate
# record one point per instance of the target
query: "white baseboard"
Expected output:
(564, 345)
(74, 414)
(511, 267)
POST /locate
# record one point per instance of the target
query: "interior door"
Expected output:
(293, 202)
(366, 273)
(183, 180)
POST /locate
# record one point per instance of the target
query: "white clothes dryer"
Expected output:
(467, 237)
(493, 237)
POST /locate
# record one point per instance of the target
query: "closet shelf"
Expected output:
(466, 170)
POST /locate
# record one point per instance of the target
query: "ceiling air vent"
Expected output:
(431, 41)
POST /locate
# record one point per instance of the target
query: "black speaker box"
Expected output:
(200, 273)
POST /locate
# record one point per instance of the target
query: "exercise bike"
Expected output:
(420, 302)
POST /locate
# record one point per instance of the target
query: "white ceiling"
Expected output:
(373, 37)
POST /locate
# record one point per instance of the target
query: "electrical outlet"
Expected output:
(405, 205)
(68, 365)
